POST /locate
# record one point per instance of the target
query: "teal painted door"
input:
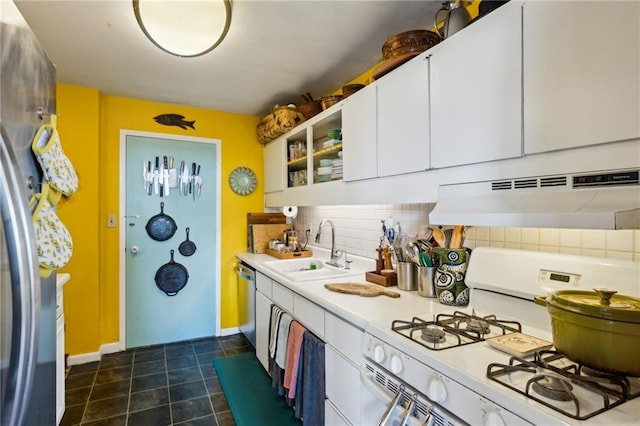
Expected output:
(153, 317)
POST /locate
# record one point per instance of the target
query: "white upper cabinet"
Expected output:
(476, 92)
(359, 131)
(581, 73)
(274, 158)
(403, 118)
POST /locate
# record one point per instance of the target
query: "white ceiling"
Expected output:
(274, 51)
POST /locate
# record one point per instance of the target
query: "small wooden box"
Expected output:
(289, 255)
(385, 281)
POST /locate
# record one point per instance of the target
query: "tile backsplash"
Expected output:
(358, 231)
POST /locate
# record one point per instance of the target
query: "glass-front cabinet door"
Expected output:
(314, 152)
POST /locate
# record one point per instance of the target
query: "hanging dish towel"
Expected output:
(294, 349)
(56, 167)
(53, 240)
(310, 389)
(283, 334)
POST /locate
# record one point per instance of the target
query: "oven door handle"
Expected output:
(366, 378)
(387, 414)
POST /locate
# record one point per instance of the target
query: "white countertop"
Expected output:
(355, 309)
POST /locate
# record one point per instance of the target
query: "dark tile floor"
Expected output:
(172, 384)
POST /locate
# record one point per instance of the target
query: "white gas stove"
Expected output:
(447, 367)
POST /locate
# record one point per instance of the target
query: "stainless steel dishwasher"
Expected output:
(247, 301)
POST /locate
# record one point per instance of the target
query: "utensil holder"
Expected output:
(407, 276)
(426, 287)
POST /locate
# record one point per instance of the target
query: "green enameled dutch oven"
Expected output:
(598, 329)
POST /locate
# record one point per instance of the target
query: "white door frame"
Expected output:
(122, 212)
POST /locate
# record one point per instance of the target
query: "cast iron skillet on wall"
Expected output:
(171, 277)
(187, 247)
(161, 227)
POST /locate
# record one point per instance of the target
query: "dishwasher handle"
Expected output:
(245, 273)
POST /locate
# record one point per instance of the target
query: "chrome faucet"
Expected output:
(335, 253)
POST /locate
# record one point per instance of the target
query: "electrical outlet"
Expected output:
(310, 226)
(111, 221)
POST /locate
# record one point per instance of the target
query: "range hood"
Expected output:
(602, 200)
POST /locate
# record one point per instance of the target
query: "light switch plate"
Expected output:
(111, 221)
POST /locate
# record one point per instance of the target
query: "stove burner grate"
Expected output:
(456, 329)
(553, 380)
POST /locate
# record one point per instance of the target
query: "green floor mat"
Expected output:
(251, 398)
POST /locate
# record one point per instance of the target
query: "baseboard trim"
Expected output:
(229, 331)
(109, 348)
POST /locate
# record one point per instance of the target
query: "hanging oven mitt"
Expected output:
(56, 167)
(53, 240)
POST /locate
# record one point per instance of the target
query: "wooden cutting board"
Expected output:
(364, 290)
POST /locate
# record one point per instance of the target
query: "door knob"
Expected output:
(134, 249)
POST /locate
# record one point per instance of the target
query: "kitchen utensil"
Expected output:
(364, 290)
(149, 178)
(187, 247)
(181, 187)
(457, 237)
(165, 176)
(456, 18)
(439, 237)
(144, 176)
(196, 183)
(156, 177)
(173, 174)
(161, 177)
(448, 233)
(171, 277)
(161, 227)
(599, 329)
(191, 182)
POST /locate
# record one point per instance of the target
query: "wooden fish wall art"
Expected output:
(174, 120)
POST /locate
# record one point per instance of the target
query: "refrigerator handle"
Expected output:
(25, 289)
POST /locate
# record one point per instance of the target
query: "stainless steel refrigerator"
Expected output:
(27, 303)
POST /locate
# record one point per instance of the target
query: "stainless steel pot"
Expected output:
(456, 18)
(598, 329)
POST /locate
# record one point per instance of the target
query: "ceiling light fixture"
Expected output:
(184, 28)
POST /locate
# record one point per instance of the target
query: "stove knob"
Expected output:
(437, 391)
(378, 354)
(396, 364)
(493, 418)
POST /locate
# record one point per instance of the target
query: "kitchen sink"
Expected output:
(303, 269)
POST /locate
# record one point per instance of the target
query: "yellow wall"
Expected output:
(90, 124)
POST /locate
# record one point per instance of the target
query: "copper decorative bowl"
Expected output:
(409, 42)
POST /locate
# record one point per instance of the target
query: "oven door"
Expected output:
(386, 401)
